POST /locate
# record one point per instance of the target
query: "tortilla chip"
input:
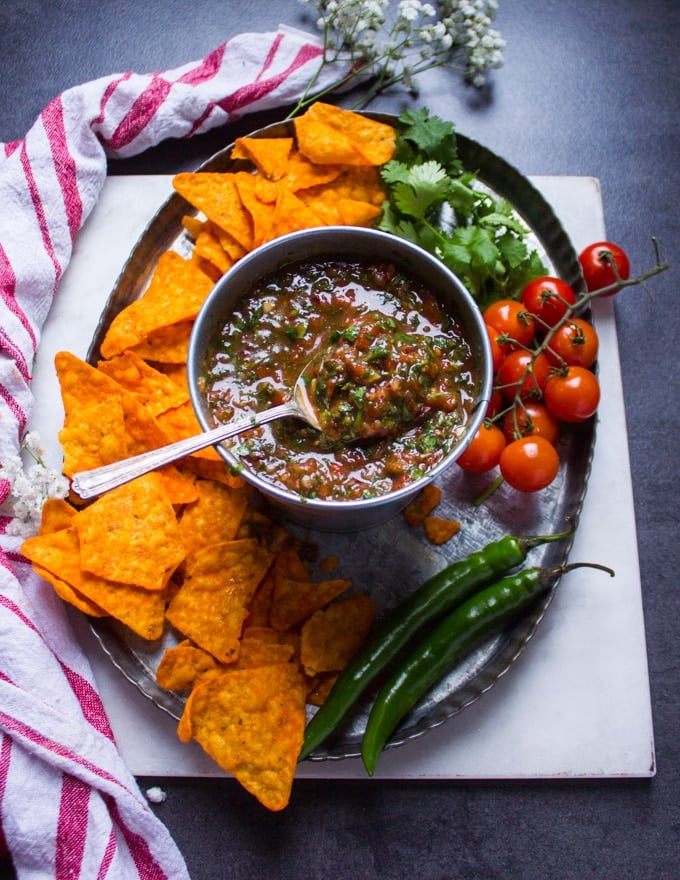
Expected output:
(294, 601)
(209, 248)
(212, 604)
(183, 666)
(261, 213)
(59, 554)
(291, 214)
(258, 652)
(329, 134)
(156, 391)
(215, 516)
(354, 213)
(251, 722)
(67, 594)
(269, 155)
(180, 423)
(175, 294)
(422, 505)
(57, 514)
(439, 530)
(216, 195)
(167, 345)
(93, 435)
(130, 535)
(302, 173)
(193, 225)
(321, 688)
(332, 636)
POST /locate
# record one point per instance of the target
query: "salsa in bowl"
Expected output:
(400, 371)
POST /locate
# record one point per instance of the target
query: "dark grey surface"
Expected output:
(589, 88)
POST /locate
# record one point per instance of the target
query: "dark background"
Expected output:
(588, 88)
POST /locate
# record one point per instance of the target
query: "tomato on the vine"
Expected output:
(511, 319)
(529, 464)
(547, 298)
(572, 395)
(597, 261)
(498, 349)
(496, 404)
(531, 419)
(575, 343)
(523, 372)
(484, 450)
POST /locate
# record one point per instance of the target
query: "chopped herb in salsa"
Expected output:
(393, 371)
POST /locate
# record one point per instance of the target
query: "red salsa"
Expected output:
(394, 383)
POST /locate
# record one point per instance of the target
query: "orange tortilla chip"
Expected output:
(291, 214)
(131, 535)
(329, 134)
(181, 667)
(422, 505)
(439, 530)
(215, 516)
(167, 345)
(321, 688)
(156, 391)
(219, 582)
(209, 247)
(59, 553)
(332, 636)
(67, 594)
(57, 514)
(294, 601)
(257, 652)
(216, 195)
(354, 213)
(261, 213)
(175, 294)
(251, 722)
(93, 435)
(268, 155)
(302, 173)
(82, 384)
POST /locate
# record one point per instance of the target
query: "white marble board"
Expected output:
(575, 705)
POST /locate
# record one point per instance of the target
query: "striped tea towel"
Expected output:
(68, 805)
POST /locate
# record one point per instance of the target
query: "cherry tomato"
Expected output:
(496, 404)
(522, 368)
(572, 396)
(484, 450)
(548, 298)
(498, 349)
(532, 419)
(529, 464)
(596, 264)
(511, 319)
(575, 343)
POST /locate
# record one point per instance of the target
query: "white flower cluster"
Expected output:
(24, 488)
(397, 41)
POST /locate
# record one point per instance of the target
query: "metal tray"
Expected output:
(391, 560)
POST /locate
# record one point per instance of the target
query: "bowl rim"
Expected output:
(282, 244)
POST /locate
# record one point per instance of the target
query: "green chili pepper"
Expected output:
(452, 638)
(436, 597)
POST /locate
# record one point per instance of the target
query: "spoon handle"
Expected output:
(87, 484)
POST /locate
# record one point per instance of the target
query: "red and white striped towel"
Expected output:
(68, 805)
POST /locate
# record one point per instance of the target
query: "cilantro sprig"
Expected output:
(434, 202)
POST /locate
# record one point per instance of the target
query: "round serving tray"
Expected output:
(390, 561)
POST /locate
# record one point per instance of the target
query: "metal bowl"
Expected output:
(341, 243)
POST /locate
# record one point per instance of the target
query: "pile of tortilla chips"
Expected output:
(328, 175)
(181, 550)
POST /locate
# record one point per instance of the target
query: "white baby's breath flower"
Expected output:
(30, 482)
(393, 42)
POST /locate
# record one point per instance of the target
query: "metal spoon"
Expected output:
(93, 482)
